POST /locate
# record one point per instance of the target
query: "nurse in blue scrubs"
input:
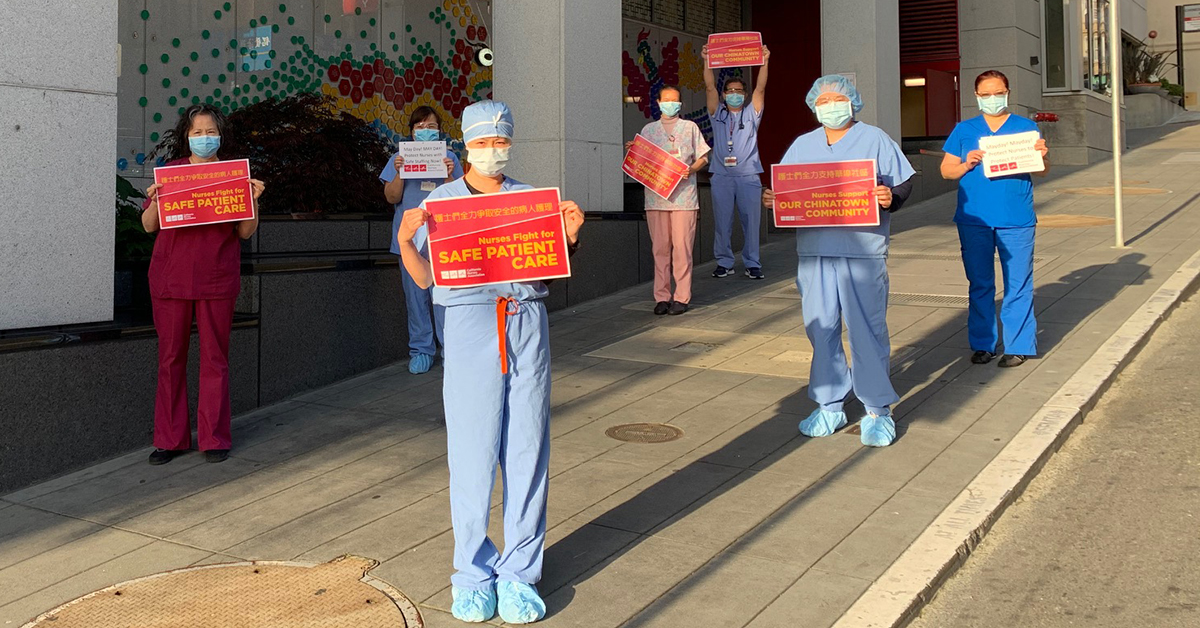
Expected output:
(424, 318)
(842, 273)
(497, 401)
(995, 215)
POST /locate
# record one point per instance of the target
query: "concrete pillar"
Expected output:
(1004, 36)
(863, 37)
(58, 136)
(558, 65)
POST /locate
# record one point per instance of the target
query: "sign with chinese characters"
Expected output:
(1009, 154)
(204, 194)
(654, 167)
(497, 238)
(833, 194)
(734, 49)
(1191, 18)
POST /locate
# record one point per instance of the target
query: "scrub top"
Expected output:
(742, 129)
(862, 141)
(194, 263)
(999, 201)
(415, 191)
(480, 295)
(687, 145)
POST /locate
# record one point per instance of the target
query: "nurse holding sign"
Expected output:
(991, 156)
(842, 273)
(419, 166)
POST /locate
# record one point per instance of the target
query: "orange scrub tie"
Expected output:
(502, 314)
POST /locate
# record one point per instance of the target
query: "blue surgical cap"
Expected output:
(834, 83)
(487, 118)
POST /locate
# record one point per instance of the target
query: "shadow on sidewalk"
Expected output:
(917, 378)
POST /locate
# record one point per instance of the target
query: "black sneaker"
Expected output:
(721, 271)
(661, 307)
(755, 273)
(677, 308)
(1009, 361)
(163, 456)
(216, 455)
(982, 357)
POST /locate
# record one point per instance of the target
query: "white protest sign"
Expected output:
(423, 160)
(1004, 155)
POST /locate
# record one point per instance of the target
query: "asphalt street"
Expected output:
(1108, 534)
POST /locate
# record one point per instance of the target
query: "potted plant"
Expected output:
(1143, 69)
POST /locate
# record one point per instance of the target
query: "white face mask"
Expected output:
(488, 161)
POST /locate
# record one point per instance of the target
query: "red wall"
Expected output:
(792, 31)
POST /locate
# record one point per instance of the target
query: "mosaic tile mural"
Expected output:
(378, 59)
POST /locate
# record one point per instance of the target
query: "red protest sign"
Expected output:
(497, 238)
(654, 167)
(204, 194)
(833, 194)
(735, 49)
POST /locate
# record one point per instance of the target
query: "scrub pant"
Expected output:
(672, 235)
(173, 322)
(496, 418)
(833, 288)
(1016, 262)
(425, 320)
(745, 191)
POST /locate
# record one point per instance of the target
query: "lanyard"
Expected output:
(729, 123)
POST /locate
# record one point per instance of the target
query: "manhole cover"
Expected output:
(695, 347)
(644, 432)
(1066, 221)
(250, 595)
(1108, 191)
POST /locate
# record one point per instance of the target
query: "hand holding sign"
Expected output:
(204, 193)
(1014, 153)
(422, 160)
(834, 194)
(733, 50)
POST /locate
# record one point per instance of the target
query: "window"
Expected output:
(1055, 41)
(1094, 45)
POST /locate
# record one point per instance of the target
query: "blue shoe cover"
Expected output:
(878, 430)
(822, 423)
(472, 605)
(519, 602)
(420, 363)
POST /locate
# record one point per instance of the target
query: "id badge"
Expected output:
(730, 161)
(677, 155)
(428, 186)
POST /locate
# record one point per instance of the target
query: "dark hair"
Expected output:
(418, 116)
(175, 141)
(991, 74)
(733, 79)
(672, 87)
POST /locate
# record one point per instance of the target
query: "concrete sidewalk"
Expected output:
(741, 522)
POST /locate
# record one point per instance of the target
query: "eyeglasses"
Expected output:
(1003, 93)
(735, 90)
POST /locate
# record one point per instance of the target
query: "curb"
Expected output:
(900, 593)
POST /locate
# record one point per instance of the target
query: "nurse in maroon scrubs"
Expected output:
(194, 272)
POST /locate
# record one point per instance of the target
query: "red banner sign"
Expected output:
(727, 50)
(204, 194)
(497, 238)
(834, 194)
(654, 167)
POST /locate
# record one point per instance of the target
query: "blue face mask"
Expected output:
(735, 100)
(670, 109)
(204, 146)
(835, 115)
(993, 105)
(426, 135)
